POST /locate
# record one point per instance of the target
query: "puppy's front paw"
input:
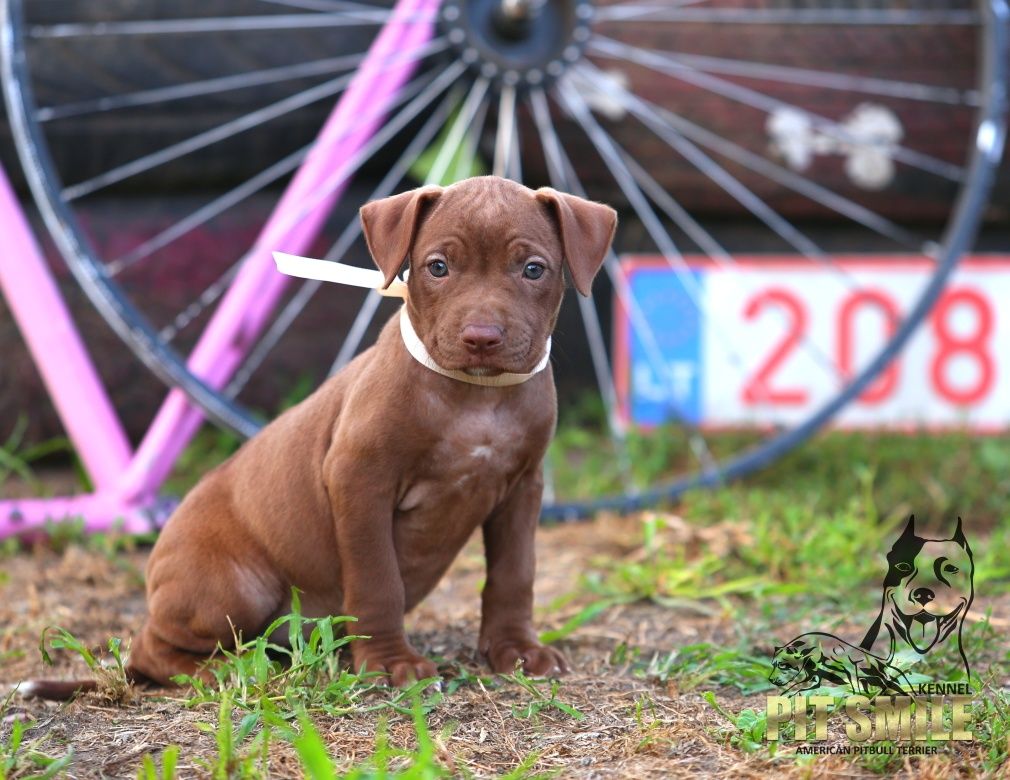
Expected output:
(401, 667)
(537, 660)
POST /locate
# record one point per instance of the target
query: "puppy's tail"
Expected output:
(111, 684)
(56, 690)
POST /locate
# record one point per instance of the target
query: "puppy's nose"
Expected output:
(482, 338)
(923, 596)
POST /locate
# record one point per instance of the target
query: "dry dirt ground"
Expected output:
(674, 734)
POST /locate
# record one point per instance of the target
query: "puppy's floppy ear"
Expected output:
(390, 226)
(587, 228)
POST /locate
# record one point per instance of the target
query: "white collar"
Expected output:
(417, 351)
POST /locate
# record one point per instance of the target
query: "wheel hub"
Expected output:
(517, 42)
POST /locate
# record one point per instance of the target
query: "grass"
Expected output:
(23, 755)
(799, 546)
(243, 751)
(934, 475)
(113, 686)
(703, 665)
(265, 692)
(17, 457)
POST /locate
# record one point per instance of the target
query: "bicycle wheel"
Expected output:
(692, 117)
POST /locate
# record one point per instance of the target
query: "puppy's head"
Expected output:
(929, 584)
(487, 259)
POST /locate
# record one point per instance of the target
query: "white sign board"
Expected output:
(769, 340)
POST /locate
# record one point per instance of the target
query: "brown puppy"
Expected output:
(362, 495)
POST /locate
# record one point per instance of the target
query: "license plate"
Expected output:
(768, 340)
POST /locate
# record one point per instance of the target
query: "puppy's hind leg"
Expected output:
(152, 659)
(200, 598)
(173, 642)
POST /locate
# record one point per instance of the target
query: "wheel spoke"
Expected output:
(371, 304)
(732, 186)
(660, 62)
(611, 153)
(722, 258)
(224, 202)
(264, 22)
(208, 87)
(206, 298)
(451, 146)
(563, 176)
(677, 213)
(597, 348)
(717, 173)
(516, 162)
(231, 128)
(433, 87)
(326, 5)
(357, 332)
(634, 11)
(827, 80)
(550, 494)
(506, 130)
(812, 16)
(579, 111)
(273, 335)
(676, 124)
(207, 212)
(336, 252)
(605, 382)
(471, 144)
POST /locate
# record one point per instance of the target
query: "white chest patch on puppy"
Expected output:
(481, 451)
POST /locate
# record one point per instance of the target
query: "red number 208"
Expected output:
(973, 345)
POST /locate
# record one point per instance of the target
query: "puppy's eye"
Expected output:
(903, 567)
(533, 270)
(951, 569)
(438, 268)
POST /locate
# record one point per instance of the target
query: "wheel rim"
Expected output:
(525, 74)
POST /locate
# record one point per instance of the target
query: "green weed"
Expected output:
(587, 614)
(540, 701)
(991, 718)
(663, 574)
(113, 685)
(303, 673)
(17, 457)
(648, 724)
(386, 762)
(233, 759)
(693, 666)
(747, 729)
(21, 757)
(149, 770)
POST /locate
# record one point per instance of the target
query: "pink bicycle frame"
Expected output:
(126, 484)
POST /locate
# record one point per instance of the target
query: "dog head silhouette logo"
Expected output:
(927, 592)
